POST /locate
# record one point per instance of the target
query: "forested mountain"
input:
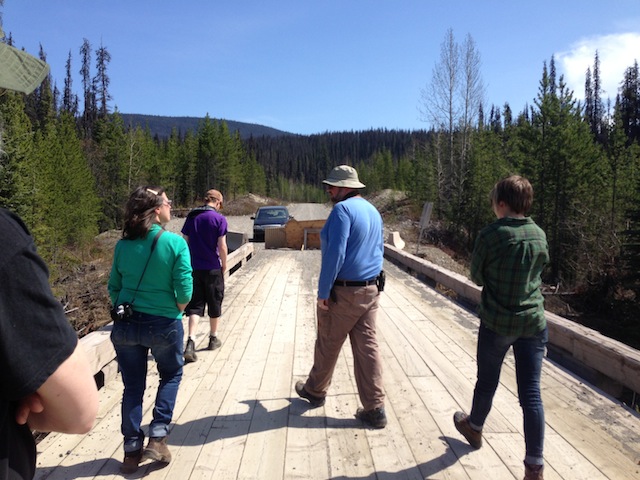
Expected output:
(299, 157)
(307, 159)
(163, 126)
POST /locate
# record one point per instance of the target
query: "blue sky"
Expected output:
(312, 67)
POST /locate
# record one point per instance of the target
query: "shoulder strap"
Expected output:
(153, 246)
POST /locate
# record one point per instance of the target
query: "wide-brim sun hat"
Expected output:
(20, 71)
(344, 176)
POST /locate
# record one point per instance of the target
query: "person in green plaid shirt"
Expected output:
(507, 261)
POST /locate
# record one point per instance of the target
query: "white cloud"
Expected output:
(617, 52)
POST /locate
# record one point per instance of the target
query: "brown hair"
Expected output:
(213, 195)
(515, 191)
(139, 211)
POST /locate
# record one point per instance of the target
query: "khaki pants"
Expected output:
(354, 315)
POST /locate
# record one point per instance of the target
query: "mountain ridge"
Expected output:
(162, 126)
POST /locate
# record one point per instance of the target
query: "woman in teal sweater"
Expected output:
(151, 280)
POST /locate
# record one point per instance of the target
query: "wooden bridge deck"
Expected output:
(237, 414)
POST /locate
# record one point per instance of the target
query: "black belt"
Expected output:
(355, 283)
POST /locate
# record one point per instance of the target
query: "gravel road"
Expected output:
(244, 224)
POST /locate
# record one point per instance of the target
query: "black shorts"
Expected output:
(208, 289)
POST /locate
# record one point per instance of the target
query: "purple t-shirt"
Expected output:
(204, 226)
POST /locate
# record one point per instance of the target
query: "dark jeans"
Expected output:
(528, 353)
(133, 339)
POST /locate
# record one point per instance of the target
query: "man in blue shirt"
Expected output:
(348, 294)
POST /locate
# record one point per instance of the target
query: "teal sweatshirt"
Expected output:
(167, 279)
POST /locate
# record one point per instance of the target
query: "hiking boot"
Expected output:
(131, 461)
(313, 400)
(214, 342)
(533, 472)
(474, 437)
(157, 450)
(375, 418)
(190, 352)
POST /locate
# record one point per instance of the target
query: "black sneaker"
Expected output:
(313, 400)
(375, 418)
(190, 352)
(214, 342)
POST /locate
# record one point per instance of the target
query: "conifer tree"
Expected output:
(186, 168)
(69, 99)
(629, 102)
(102, 81)
(113, 161)
(16, 152)
(67, 204)
(89, 114)
(255, 179)
(631, 240)
(206, 173)
(566, 169)
(45, 108)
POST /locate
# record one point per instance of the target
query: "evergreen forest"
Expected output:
(68, 163)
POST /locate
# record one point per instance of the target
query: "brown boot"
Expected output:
(533, 472)
(131, 461)
(474, 437)
(157, 450)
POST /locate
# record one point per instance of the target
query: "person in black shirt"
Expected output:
(45, 380)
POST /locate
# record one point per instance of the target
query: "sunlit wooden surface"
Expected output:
(238, 416)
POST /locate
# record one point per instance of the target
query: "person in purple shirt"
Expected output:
(349, 287)
(205, 230)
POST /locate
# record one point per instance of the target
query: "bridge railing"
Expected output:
(602, 361)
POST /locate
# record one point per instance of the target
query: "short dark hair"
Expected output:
(139, 211)
(515, 191)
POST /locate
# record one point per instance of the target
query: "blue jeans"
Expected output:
(528, 353)
(132, 340)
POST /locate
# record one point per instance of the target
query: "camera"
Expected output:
(121, 312)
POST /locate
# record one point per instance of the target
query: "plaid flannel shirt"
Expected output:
(508, 259)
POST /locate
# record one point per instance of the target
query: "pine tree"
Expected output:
(566, 169)
(89, 114)
(631, 241)
(186, 168)
(67, 205)
(113, 162)
(16, 153)
(594, 108)
(206, 168)
(102, 81)
(629, 101)
(69, 99)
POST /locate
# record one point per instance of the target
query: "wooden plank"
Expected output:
(408, 412)
(478, 464)
(265, 449)
(307, 455)
(237, 414)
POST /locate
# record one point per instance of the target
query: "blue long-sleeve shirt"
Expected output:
(352, 244)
